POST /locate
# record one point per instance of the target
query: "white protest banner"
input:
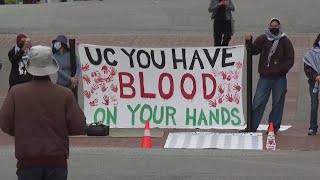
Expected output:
(185, 87)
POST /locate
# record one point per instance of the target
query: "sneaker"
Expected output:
(312, 132)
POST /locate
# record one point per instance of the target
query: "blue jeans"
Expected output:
(39, 173)
(314, 109)
(278, 87)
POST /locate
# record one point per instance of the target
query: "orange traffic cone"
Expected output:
(271, 139)
(146, 140)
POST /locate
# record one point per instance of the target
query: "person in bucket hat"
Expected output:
(41, 115)
(41, 61)
(62, 55)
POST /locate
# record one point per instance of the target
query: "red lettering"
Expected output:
(184, 93)
(126, 85)
(204, 86)
(142, 92)
(171, 85)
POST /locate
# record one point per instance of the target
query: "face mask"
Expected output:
(57, 45)
(274, 31)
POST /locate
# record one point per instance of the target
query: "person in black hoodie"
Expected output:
(18, 58)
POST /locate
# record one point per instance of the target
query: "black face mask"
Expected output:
(274, 31)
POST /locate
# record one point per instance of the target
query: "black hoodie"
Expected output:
(16, 75)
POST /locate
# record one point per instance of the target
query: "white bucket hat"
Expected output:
(41, 61)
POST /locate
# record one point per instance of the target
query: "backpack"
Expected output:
(97, 130)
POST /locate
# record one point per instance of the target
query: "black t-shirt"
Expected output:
(221, 12)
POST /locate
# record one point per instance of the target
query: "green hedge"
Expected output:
(10, 1)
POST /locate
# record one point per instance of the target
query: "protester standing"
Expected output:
(276, 59)
(18, 72)
(40, 115)
(66, 64)
(312, 70)
(222, 21)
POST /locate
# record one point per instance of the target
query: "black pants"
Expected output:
(42, 174)
(75, 92)
(222, 32)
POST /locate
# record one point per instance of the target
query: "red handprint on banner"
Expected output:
(109, 79)
(94, 102)
(215, 72)
(236, 74)
(213, 103)
(238, 65)
(220, 98)
(105, 69)
(87, 79)
(106, 100)
(229, 98)
(237, 87)
(229, 76)
(114, 88)
(95, 74)
(94, 88)
(87, 94)
(224, 75)
(98, 80)
(220, 89)
(103, 87)
(85, 67)
(113, 71)
(236, 99)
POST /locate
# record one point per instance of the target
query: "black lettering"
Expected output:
(196, 56)
(226, 55)
(114, 62)
(175, 60)
(92, 61)
(139, 59)
(213, 60)
(163, 58)
(129, 55)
